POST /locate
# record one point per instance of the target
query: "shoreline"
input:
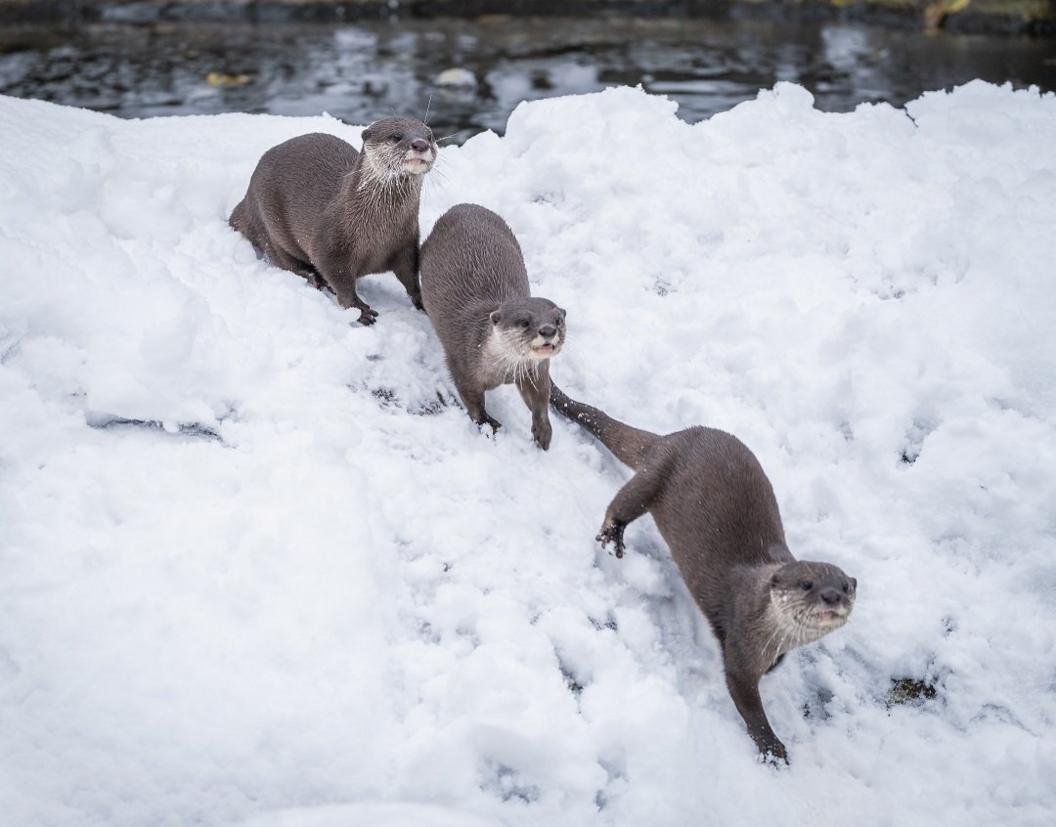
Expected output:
(1035, 18)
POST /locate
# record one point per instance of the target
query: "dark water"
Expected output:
(360, 72)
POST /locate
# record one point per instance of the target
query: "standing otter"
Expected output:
(717, 512)
(319, 208)
(476, 293)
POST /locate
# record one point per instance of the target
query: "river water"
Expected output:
(360, 72)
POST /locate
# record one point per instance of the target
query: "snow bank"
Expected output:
(254, 569)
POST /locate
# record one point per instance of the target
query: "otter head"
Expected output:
(396, 147)
(811, 599)
(528, 329)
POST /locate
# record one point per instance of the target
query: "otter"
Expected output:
(716, 510)
(493, 331)
(320, 209)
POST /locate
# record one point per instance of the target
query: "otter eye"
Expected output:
(560, 321)
(523, 323)
(806, 585)
(846, 587)
(396, 138)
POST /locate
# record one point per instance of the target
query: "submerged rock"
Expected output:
(456, 78)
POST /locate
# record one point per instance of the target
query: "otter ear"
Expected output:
(561, 310)
(854, 583)
(496, 317)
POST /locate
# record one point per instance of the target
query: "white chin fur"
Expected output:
(539, 341)
(829, 622)
(414, 158)
(416, 166)
(539, 355)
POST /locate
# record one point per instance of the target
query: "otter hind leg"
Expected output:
(367, 314)
(405, 265)
(239, 218)
(344, 286)
(304, 269)
(240, 222)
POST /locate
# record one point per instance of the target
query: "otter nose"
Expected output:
(548, 331)
(419, 145)
(830, 596)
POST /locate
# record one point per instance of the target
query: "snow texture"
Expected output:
(257, 567)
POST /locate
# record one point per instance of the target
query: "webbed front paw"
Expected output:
(612, 532)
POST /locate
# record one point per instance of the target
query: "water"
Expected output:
(360, 72)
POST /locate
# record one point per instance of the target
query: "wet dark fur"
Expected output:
(319, 208)
(475, 289)
(715, 508)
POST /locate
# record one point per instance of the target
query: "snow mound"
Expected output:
(256, 565)
(375, 814)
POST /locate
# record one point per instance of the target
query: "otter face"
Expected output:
(529, 329)
(399, 146)
(812, 599)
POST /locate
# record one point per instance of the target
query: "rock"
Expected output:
(456, 78)
(221, 79)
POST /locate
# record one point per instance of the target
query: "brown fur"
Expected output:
(716, 510)
(475, 290)
(321, 209)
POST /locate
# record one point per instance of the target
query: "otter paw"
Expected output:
(542, 435)
(368, 316)
(612, 533)
(773, 752)
(491, 421)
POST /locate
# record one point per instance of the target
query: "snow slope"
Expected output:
(253, 569)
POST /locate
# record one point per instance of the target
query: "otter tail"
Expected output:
(629, 445)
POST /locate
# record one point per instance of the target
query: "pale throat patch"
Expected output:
(375, 164)
(379, 168)
(506, 350)
(795, 623)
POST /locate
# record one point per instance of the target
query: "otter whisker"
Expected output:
(530, 375)
(439, 177)
(773, 635)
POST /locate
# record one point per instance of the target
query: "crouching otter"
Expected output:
(716, 510)
(475, 290)
(317, 207)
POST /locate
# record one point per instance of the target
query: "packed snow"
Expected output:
(258, 568)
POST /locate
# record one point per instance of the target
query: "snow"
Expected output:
(254, 571)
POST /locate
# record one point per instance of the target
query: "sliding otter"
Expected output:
(319, 208)
(475, 289)
(716, 510)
